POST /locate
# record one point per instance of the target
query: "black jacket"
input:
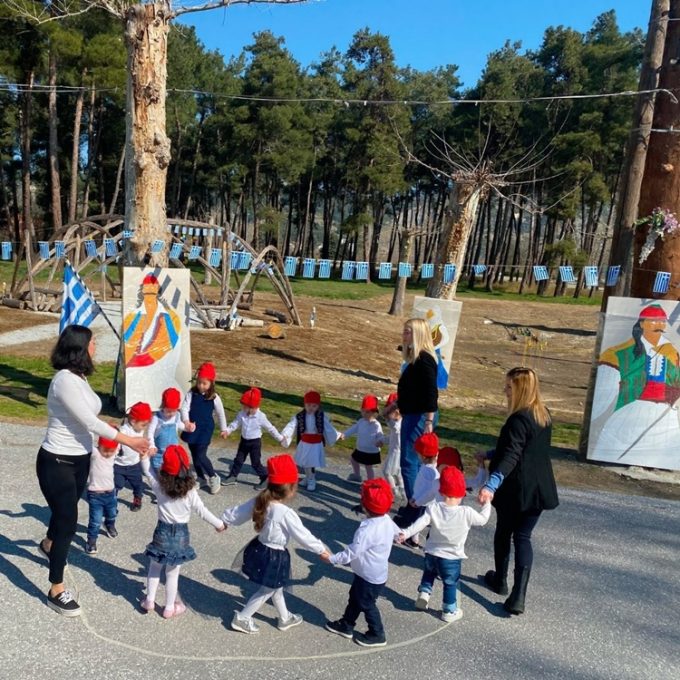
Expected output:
(417, 388)
(522, 457)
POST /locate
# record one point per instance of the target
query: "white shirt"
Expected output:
(369, 551)
(369, 435)
(281, 524)
(449, 527)
(426, 486)
(394, 439)
(126, 455)
(72, 410)
(101, 472)
(252, 426)
(177, 510)
(217, 406)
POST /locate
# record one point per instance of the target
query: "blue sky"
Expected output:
(423, 33)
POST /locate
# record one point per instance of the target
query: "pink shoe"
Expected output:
(148, 606)
(178, 609)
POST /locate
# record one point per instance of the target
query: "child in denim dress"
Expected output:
(175, 490)
(165, 425)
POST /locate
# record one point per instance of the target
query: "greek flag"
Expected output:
(385, 270)
(591, 276)
(44, 248)
(59, 249)
(613, 274)
(427, 271)
(405, 269)
(191, 231)
(309, 268)
(324, 269)
(176, 251)
(205, 231)
(244, 258)
(567, 274)
(78, 305)
(662, 282)
(110, 247)
(348, 269)
(215, 257)
(157, 245)
(478, 269)
(176, 229)
(449, 273)
(6, 250)
(290, 265)
(128, 233)
(541, 272)
(362, 271)
(90, 248)
(195, 252)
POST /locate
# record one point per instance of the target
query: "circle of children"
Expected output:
(438, 492)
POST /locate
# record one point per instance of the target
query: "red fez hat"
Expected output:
(452, 482)
(175, 461)
(312, 397)
(105, 443)
(427, 445)
(171, 398)
(654, 312)
(150, 280)
(282, 470)
(377, 496)
(369, 403)
(392, 398)
(140, 411)
(206, 371)
(252, 398)
(448, 455)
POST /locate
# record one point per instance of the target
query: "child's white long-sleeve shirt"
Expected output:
(252, 425)
(369, 435)
(426, 486)
(126, 455)
(449, 527)
(218, 407)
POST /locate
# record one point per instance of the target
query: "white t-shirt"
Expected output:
(369, 435)
(101, 472)
(426, 486)
(126, 455)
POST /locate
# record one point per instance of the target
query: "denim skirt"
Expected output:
(170, 544)
(266, 566)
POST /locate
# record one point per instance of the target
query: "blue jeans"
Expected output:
(102, 505)
(362, 598)
(412, 426)
(449, 572)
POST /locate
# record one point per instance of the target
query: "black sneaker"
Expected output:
(136, 504)
(229, 481)
(63, 604)
(111, 531)
(370, 640)
(91, 547)
(340, 628)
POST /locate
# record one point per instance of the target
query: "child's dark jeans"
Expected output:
(103, 505)
(362, 598)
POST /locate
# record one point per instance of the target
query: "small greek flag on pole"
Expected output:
(110, 247)
(290, 265)
(44, 249)
(567, 274)
(195, 252)
(157, 245)
(90, 248)
(6, 250)
(244, 259)
(128, 233)
(662, 282)
(385, 270)
(591, 276)
(613, 274)
(449, 273)
(541, 272)
(234, 259)
(309, 268)
(78, 305)
(348, 269)
(362, 271)
(405, 269)
(176, 251)
(191, 231)
(59, 249)
(478, 269)
(215, 257)
(324, 269)
(427, 271)
(176, 229)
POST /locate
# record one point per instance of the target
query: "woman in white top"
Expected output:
(63, 462)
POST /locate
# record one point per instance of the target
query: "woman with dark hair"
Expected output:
(521, 484)
(63, 462)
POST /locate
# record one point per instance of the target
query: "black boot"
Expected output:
(498, 580)
(515, 603)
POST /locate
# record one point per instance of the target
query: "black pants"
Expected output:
(202, 465)
(62, 481)
(252, 448)
(516, 527)
(362, 598)
(129, 474)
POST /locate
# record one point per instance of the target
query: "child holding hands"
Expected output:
(165, 425)
(127, 468)
(392, 466)
(369, 436)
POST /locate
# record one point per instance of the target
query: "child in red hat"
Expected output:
(165, 425)
(175, 489)
(392, 466)
(370, 438)
(449, 523)
(313, 431)
(368, 555)
(101, 493)
(199, 408)
(266, 560)
(127, 469)
(251, 420)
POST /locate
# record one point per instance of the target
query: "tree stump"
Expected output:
(275, 331)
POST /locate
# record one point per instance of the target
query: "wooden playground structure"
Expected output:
(29, 291)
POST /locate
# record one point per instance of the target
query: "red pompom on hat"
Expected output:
(206, 371)
(150, 280)
(370, 403)
(104, 443)
(448, 455)
(282, 470)
(140, 411)
(452, 483)
(654, 312)
(252, 398)
(171, 398)
(427, 445)
(312, 397)
(175, 461)
(392, 398)
(377, 496)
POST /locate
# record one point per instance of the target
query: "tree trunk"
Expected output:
(463, 201)
(75, 152)
(26, 111)
(53, 143)
(397, 306)
(91, 146)
(147, 153)
(194, 165)
(5, 197)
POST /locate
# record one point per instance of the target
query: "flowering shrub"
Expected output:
(661, 223)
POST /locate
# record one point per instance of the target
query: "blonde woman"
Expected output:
(417, 396)
(521, 484)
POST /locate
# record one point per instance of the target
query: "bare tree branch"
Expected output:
(216, 4)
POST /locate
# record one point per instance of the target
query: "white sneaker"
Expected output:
(422, 600)
(292, 621)
(311, 484)
(247, 626)
(215, 484)
(450, 617)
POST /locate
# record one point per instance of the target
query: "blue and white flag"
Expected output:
(128, 233)
(59, 249)
(541, 272)
(235, 254)
(110, 247)
(6, 250)
(244, 258)
(405, 269)
(591, 276)
(662, 282)
(449, 273)
(567, 274)
(324, 269)
(157, 245)
(184, 231)
(44, 249)
(176, 229)
(90, 248)
(195, 252)
(362, 271)
(308, 268)
(176, 251)
(290, 264)
(478, 269)
(205, 231)
(215, 257)
(348, 269)
(385, 270)
(613, 274)
(427, 271)
(191, 231)
(78, 305)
